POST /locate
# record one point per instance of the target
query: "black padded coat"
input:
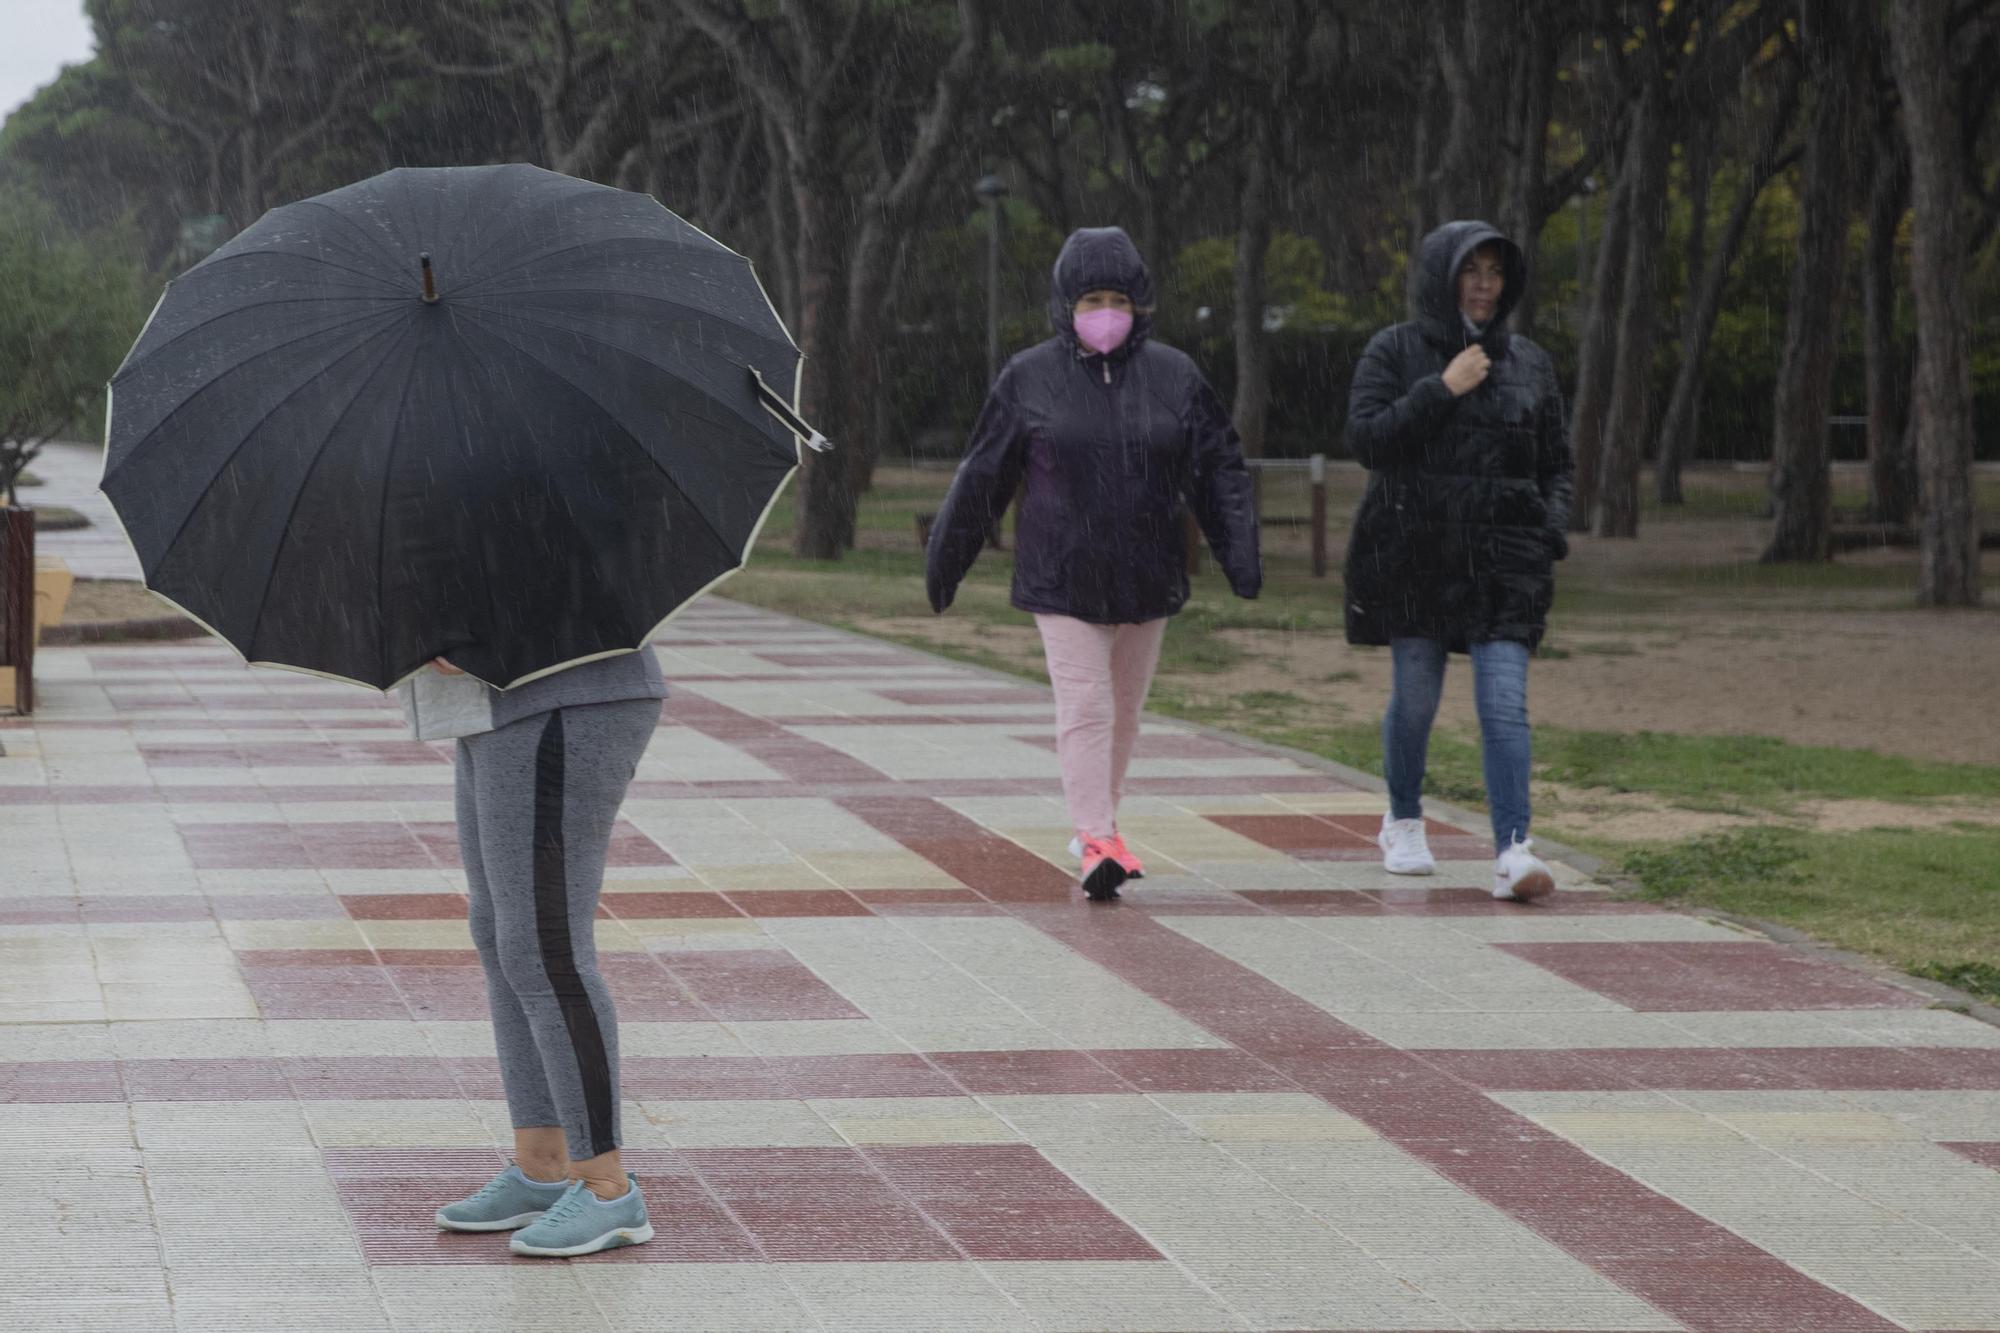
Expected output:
(1110, 446)
(1468, 498)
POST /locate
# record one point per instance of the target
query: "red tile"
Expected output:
(790, 754)
(205, 1081)
(1217, 1070)
(1748, 1292)
(797, 902)
(1702, 976)
(1015, 1073)
(660, 906)
(54, 1081)
(1368, 826)
(1986, 1154)
(305, 906)
(294, 992)
(821, 658)
(391, 1195)
(1151, 747)
(370, 1078)
(752, 985)
(428, 957)
(307, 958)
(697, 1078)
(965, 694)
(1305, 836)
(859, 1076)
(40, 910)
(405, 906)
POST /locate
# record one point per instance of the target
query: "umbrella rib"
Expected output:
(273, 349)
(756, 422)
(192, 329)
(293, 254)
(644, 452)
(547, 255)
(356, 228)
(264, 597)
(241, 445)
(783, 342)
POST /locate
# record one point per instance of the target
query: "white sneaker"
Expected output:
(1404, 848)
(1519, 873)
(1076, 849)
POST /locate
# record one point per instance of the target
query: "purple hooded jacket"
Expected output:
(1111, 446)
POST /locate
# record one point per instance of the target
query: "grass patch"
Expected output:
(1980, 979)
(1747, 772)
(1926, 901)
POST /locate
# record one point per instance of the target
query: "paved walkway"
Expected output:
(887, 1071)
(69, 473)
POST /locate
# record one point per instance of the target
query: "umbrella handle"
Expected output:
(430, 287)
(782, 410)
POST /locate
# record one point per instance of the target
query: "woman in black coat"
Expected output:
(1460, 425)
(1112, 433)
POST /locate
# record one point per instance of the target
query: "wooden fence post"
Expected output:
(17, 602)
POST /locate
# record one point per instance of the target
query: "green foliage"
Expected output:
(64, 325)
(1751, 856)
(1980, 979)
(1926, 900)
(1747, 772)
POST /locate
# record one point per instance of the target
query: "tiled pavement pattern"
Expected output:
(886, 1071)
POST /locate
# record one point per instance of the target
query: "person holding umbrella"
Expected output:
(539, 773)
(1112, 434)
(1460, 425)
(475, 433)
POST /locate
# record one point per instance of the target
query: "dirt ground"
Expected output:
(113, 599)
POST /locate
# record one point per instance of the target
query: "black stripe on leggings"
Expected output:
(552, 935)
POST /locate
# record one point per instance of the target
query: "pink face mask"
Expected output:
(1103, 331)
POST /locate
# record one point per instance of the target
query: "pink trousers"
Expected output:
(1101, 674)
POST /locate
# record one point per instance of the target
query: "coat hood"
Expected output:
(1096, 258)
(1440, 257)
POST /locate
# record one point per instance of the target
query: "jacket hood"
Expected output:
(1440, 257)
(1095, 258)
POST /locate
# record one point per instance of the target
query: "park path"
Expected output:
(886, 1070)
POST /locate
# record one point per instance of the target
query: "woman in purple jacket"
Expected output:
(1113, 434)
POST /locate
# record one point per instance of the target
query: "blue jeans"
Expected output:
(1500, 687)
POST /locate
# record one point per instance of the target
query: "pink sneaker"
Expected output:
(1103, 872)
(1133, 869)
(1123, 855)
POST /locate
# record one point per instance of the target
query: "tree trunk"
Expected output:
(1597, 353)
(1705, 297)
(1832, 32)
(1253, 243)
(1948, 532)
(1700, 160)
(1521, 214)
(783, 223)
(825, 527)
(1617, 506)
(1891, 479)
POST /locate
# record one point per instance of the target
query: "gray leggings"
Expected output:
(536, 801)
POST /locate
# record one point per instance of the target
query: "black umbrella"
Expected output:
(494, 413)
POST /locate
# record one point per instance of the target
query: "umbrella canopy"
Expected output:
(534, 462)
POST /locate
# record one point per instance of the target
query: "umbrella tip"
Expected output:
(430, 286)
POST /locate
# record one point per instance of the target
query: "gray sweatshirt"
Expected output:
(440, 707)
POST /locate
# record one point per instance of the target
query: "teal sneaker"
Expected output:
(507, 1201)
(582, 1223)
